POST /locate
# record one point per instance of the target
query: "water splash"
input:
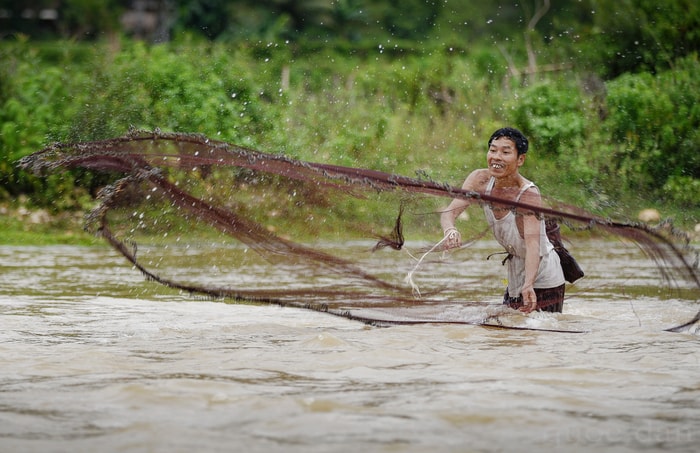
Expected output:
(192, 188)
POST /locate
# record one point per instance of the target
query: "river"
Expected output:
(95, 358)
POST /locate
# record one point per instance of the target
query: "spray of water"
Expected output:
(173, 189)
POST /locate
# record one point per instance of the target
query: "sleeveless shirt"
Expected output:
(505, 230)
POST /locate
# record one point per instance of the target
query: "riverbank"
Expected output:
(22, 225)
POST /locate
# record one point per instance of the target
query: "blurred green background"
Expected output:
(607, 91)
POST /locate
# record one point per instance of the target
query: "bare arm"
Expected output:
(531, 234)
(450, 214)
(455, 208)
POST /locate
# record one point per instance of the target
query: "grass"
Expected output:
(18, 231)
(62, 229)
(379, 113)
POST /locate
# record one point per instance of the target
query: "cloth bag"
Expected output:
(572, 270)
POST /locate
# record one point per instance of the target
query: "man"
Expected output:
(535, 277)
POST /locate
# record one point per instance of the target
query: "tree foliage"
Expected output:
(609, 101)
(654, 123)
(610, 37)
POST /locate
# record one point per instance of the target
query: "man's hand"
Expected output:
(529, 299)
(452, 239)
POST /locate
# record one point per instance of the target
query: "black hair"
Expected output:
(520, 140)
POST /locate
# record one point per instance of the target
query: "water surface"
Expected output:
(95, 358)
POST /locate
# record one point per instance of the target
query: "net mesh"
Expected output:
(183, 198)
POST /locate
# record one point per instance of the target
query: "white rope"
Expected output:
(409, 278)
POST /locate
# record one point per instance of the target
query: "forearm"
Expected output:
(452, 237)
(447, 220)
(532, 265)
(532, 260)
(532, 257)
(450, 214)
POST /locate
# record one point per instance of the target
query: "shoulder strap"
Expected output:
(489, 185)
(523, 190)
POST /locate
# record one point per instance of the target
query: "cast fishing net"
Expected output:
(351, 242)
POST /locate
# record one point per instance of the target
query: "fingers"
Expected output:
(529, 300)
(452, 239)
(528, 308)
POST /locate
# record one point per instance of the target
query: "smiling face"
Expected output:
(503, 159)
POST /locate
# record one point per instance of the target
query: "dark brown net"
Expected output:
(178, 198)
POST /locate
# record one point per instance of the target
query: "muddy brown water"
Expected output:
(95, 358)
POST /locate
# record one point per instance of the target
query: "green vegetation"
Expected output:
(612, 108)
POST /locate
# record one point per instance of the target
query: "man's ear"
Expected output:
(521, 159)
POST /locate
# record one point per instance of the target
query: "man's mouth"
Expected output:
(497, 166)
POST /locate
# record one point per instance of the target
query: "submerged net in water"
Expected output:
(176, 197)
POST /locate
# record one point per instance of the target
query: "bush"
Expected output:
(551, 114)
(195, 88)
(398, 113)
(50, 97)
(654, 122)
(37, 105)
(683, 190)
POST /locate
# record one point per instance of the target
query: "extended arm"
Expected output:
(531, 233)
(453, 239)
(449, 215)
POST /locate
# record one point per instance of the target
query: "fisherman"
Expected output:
(535, 277)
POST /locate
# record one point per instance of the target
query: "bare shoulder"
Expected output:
(477, 180)
(532, 195)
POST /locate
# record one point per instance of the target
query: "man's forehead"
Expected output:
(503, 142)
